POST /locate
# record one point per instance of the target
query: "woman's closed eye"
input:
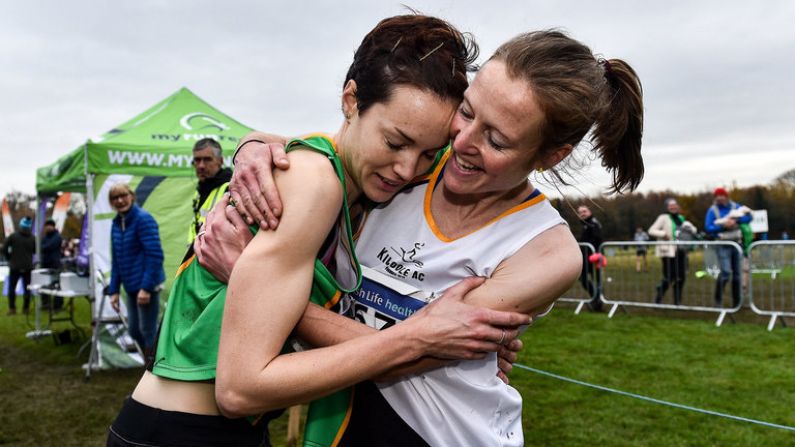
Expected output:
(497, 145)
(393, 146)
(466, 113)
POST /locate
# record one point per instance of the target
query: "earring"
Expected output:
(539, 170)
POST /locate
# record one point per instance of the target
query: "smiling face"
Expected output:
(394, 141)
(121, 198)
(496, 133)
(121, 202)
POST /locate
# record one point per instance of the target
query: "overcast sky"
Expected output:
(718, 76)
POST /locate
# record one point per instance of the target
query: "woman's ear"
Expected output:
(557, 156)
(349, 102)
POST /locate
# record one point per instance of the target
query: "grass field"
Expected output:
(739, 369)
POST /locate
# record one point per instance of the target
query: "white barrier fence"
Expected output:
(702, 276)
(699, 275)
(668, 275)
(772, 280)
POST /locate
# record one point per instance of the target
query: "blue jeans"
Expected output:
(730, 267)
(142, 319)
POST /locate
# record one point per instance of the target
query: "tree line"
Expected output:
(620, 215)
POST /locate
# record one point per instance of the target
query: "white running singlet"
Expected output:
(464, 403)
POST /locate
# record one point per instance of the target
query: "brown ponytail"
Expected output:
(578, 93)
(619, 128)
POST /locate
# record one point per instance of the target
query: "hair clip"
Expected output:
(396, 44)
(431, 52)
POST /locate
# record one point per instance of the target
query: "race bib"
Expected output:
(383, 301)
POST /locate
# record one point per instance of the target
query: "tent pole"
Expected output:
(92, 279)
(37, 228)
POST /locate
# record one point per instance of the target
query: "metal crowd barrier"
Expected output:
(772, 280)
(577, 293)
(623, 286)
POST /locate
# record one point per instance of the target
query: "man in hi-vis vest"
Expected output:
(208, 161)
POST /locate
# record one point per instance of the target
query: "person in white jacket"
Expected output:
(671, 226)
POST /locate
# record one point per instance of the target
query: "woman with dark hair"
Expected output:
(477, 213)
(406, 79)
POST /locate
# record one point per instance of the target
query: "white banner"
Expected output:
(759, 221)
(8, 222)
(60, 208)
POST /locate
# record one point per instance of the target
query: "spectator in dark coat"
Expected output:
(51, 246)
(51, 257)
(137, 264)
(589, 277)
(18, 249)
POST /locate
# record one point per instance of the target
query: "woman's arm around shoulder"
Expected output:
(270, 285)
(535, 276)
(268, 292)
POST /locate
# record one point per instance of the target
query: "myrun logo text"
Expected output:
(204, 126)
(201, 120)
(154, 159)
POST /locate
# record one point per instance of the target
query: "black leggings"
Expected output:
(141, 425)
(374, 422)
(13, 277)
(674, 273)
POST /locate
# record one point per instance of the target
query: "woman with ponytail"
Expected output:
(477, 214)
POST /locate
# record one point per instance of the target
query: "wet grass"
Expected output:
(739, 369)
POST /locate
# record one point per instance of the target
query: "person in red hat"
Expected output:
(723, 222)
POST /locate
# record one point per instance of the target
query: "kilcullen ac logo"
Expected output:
(408, 256)
(202, 120)
(403, 265)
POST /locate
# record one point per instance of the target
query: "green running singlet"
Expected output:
(187, 347)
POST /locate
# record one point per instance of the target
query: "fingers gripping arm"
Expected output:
(252, 187)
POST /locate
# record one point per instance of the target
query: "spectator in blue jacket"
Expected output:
(137, 264)
(723, 222)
